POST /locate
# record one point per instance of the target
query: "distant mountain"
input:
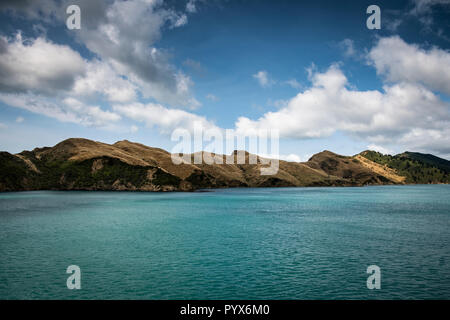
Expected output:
(81, 164)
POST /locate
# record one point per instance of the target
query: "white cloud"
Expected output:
(90, 115)
(101, 78)
(406, 113)
(3, 126)
(263, 78)
(436, 141)
(125, 38)
(37, 65)
(20, 119)
(380, 149)
(180, 21)
(290, 157)
(123, 35)
(55, 81)
(43, 77)
(165, 119)
(398, 61)
(67, 110)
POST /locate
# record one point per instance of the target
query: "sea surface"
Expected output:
(281, 243)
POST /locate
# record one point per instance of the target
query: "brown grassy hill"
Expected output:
(349, 168)
(383, 170)
(81, 164)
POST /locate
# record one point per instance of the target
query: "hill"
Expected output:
(415, 167)
(429, 159)
(81, 164)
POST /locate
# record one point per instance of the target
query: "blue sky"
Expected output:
(138, 69)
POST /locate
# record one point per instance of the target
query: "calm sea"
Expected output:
(286, 243)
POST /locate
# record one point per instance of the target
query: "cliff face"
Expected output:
(81, 164)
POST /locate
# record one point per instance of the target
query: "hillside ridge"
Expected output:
(82, 164)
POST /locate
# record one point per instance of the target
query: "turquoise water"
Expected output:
(287, 243)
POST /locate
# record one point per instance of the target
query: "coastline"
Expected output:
(205, 190)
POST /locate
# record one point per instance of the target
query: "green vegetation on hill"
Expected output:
(416, 167)
(14, 173)
(60, 174)
(79, 175)
(434, 161)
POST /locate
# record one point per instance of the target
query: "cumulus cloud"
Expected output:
(380, 149)
(286, 157)
(123, 35)
(398, 61)
(405, 112)
(436, 141)
(163, 118)
(291, 157)
(37, 65)
(125, 39)
(66, 110)
(101, 79)
(43, 77)
(54, 80)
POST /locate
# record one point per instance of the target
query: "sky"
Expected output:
(311, 70)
